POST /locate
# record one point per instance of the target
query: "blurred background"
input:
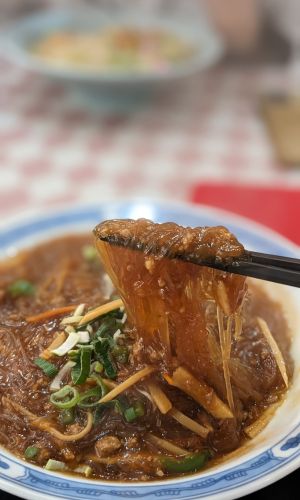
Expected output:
(182, 100)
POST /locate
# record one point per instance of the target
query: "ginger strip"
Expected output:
(166, 445)
(99, 311)
(160, 399)
(189, 423)
(200, 392)
(133, 379)
(274, 348)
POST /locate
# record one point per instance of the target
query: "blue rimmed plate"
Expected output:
(270, 456)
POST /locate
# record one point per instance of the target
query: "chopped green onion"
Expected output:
(68, 345)
(81, 370)
(97, 367)
(84, 469)
(129, 414)
(84, 337)
(101, 384)
(31, 452)
(21, 287)
(101, 350)
(116, 314)
(65, 398)
(89, 399)
(55, 465)
(108, 365)
(139, 409)
(107, 329)
(67, 416)
(121, 404)
(74, 354)
(133, 412)
(89, 253)
(48, 368)
(190, 463)
(120, 353)
(63, 372)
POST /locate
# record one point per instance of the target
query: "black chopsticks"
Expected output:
(274, 268)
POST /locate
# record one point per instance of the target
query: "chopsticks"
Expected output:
(274, 268)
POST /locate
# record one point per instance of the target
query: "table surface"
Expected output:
(57, 146)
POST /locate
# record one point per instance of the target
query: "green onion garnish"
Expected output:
(67, 416)
(84, 469)
(133, 412)
(97, 367)
(63, 372)
(89, 253)
(68, 344)
(48, 368)
(129, 414)
(139, 409)
(120, 353)
(31, 452)
(74, 354)
(21, 287)
(89, 399)
(101, 384)
(107, 329)
(82, 369)
(65, 398)
(55, 465)
(102, 352)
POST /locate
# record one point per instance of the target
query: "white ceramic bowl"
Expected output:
(270, 456)
(191, 26)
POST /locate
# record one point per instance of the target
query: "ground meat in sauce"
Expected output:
(63, 277)
(208, 243)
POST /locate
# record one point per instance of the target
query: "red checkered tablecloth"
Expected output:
(55, 147)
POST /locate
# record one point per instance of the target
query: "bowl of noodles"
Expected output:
(127, 371)
(115, 46)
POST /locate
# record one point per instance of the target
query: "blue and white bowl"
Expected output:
(190, 25)
(271, 455)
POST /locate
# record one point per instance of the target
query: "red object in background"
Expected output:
(274, 207)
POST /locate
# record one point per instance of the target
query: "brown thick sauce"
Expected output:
(62, 277)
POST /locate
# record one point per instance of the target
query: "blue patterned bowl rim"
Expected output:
(241, 476)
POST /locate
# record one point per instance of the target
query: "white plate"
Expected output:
(270, 456)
